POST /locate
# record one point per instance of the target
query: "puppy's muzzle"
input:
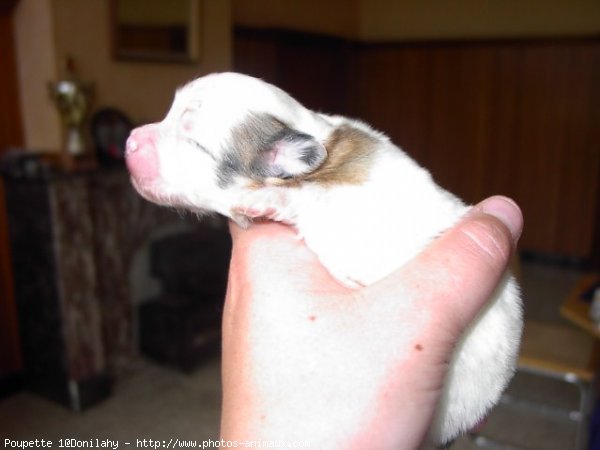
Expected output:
(141, 154)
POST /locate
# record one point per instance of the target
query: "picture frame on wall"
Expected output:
(157, 30)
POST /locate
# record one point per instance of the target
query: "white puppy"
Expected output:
(238, 146)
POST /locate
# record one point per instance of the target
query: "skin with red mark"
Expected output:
(352, 379)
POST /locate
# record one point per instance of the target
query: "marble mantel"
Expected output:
(73, 240)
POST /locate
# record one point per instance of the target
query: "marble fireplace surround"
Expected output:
(74, 238)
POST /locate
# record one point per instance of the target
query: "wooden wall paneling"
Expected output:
(500, 169)
(580, 155)
(315, 72)
(539, 142)
(391, 92)
(11, 131)
(537, 149)
(514, 117)
(460, 118)
(10, 347)
(256, 54)
(436, 104)
(447, 117)
(11, 135)
(479, 71)
(413, 103)
(375, 76)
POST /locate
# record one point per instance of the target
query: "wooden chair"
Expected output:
(559, 352)
(563, 353)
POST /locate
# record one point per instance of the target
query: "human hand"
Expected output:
(306, 359)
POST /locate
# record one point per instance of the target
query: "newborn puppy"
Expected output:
(238, 146)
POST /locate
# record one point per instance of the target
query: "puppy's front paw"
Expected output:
(265, 203)
(245, 216)
(254, 213)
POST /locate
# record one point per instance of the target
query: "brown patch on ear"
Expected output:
(247, 141)
(350, 153)
(254, 135)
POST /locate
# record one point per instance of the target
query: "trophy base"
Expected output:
(70, 163)
(78, 163)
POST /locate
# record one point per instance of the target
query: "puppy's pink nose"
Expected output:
(141, 153)
(144, 136)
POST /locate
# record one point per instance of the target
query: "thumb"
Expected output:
(459, 271)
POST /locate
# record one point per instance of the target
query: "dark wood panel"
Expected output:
(500, 169)
(10, 353)
(538, 142)
(257, 54)
(314, 69)
(391, 92)
(7, 6)
(557, 146)
(11, 134)
(580, 158)
(518, 119)
(514, 117)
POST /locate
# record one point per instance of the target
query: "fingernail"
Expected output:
(505, 210)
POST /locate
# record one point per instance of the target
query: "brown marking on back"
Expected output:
(350, 153)
(255, 184)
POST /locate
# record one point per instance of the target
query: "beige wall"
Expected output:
(47, 31)
(36, 65)
(392, 20)
(432, 19)
(80, 29)
(334, 17)
(153, 11)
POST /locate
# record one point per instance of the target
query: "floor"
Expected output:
(544, 289)
(162, 404)
(153, 403)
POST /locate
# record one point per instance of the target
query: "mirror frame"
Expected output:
(149, 54)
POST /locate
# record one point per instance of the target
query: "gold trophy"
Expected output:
(72, 99)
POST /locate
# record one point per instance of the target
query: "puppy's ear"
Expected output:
(290, 153)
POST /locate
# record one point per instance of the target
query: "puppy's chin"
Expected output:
(144, 188)
(151, 192)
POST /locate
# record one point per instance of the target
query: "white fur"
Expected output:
(360, 232)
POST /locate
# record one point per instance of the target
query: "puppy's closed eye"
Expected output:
(188, 120)
(200, 147)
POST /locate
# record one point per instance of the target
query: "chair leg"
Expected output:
(579, 416)
(585, 402)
